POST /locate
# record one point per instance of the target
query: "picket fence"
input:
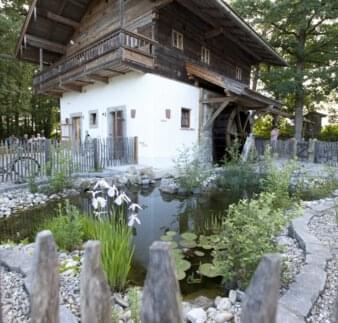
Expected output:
(22, 160)
(313, 150)
(161, 300)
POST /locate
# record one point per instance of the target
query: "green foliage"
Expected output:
(32, 185)
(329, 133)
(67, 227)
(263, 127)
(248, 232)
(116, 248)
(190, 172)
(134, 304)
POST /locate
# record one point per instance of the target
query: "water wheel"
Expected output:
(232, 125)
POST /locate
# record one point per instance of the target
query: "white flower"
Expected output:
(122, 198)
(132, 219)
(113, 191)
(98, 202)
(102, 202)
(102, 184)
(134, 207)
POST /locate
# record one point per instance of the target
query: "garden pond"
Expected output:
(164, 217)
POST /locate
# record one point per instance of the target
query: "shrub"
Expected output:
(248, 232)
(67, 227)
(329, 133)
(32, 185)
(116, 248)
(190, 172)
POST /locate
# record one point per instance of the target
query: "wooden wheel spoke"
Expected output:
(246, 122)
(239, 121)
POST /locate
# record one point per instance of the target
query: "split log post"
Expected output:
(48, 157)
(94, 289)
(261, 297)
(294, 147)
(312, 150)
(161, 295)
(96, 154)
(45, 280)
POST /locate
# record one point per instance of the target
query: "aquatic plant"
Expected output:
(134, 304)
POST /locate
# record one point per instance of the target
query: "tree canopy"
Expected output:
(21, 110)
(305, 33)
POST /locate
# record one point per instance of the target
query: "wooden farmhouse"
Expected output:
(171, 72)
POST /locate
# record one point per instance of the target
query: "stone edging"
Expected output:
(295, 305)
(20, 261)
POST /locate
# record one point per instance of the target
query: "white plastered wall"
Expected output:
(150, 95)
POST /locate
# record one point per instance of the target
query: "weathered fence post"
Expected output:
(45, 280)
(260, 303)
(95, 294)
(96, 154)
(161, 296)
(48, 158)
(312, 150)
(294, 146)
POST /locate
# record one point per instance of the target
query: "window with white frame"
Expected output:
(205, 56)
(177, 40)
(238, 73)
(93, 119)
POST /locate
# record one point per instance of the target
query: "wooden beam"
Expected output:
(215, 100)
(70, 87)
(209, 123)
(98, 78)
(57, 18)
(214, 33)
(45, 44)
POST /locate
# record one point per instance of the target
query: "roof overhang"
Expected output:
(49, 26)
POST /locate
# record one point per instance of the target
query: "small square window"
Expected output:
(185, 118)
(238, 73)
(93, 119)
(178, 40)
(133, 113)
(167, 113)
(205, 56)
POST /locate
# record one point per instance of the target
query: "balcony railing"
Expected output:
(112, 42)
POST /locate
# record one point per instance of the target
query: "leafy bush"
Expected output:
(190, 172)
(248, 232)
(116, 247)
(263, 126)
(32, 185)
(67, 227)
(329, 133)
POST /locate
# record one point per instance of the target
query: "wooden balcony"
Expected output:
(117, 53)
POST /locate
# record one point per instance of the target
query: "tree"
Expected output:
(21, 111)
(305, 34)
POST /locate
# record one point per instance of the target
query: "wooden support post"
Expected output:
(41, 59)
(45, 280)
(95, 293)
(261, 297)
(136, 150)
(294, 148)
(161, 295)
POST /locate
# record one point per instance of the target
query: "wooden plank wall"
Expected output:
(225, 55)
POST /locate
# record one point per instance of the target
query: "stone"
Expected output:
(168, 186)
(45, 280)
(223, 303)
(120, 301)
(233, 296)
(197, 315)
(223, 317)
(203, 302)
(94, 289)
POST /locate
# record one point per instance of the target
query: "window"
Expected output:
(185, 118)
(205, 56)
(238, 73)
(167, 114)
(93, 119)
(177, 39)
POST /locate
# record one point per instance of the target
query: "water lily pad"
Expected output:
(180, 275)
(166, 238)
(173, 244)
(171, 233)
(209, 270)
(189, 236)
(183, 264)
(188, 244)
(199, 253)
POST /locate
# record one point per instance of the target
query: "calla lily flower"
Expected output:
(133, 218)
(134, 207)
(113, 191)
(102, 184)
(122, 198)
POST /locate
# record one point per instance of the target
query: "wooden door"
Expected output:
(76, 130)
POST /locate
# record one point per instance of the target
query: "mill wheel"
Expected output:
(230, 126)
(237, 127)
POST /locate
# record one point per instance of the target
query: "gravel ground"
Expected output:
(325, 228)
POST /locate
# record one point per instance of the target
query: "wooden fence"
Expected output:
(21, 160)
(312, 150)
(161, 300)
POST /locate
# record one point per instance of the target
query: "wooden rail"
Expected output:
(119, 39)
(161, 300)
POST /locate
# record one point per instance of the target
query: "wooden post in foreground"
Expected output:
(0, 303)
(45, 280)
(161, 295)
(94, 290)
(260, 304)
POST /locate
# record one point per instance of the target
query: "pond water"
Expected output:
(161, 213)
